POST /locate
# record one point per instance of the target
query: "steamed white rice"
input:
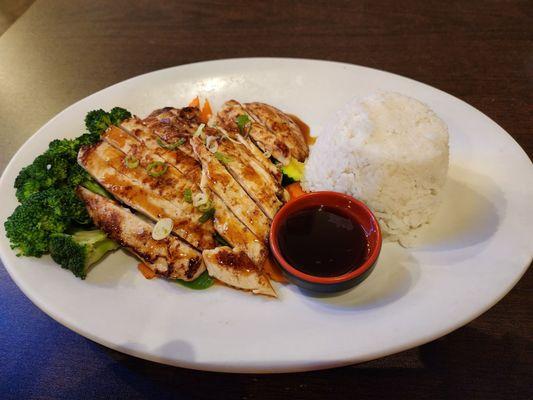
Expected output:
(391, 152)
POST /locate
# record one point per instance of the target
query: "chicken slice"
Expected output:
(172, 124)
(226, 187)
(171, 185)
(135, 195)
(235, 269)
(263, 160)
(283, 127)
(233, 230)
(183, 162)
(241, 167)
(264, 138)
(261, 165)
(169, 257)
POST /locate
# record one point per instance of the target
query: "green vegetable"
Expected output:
(207, 215)
(223, 158)
(204, 207)
(96, 188)
(203, 282)
(170, 146)
(56, 167)
(131, 161)
(187, 195)
(242, 121)
(294, 170)
(97, 121)
(285, 180)
(46, 190)
(77, 252)
(156, 168)
(33, 222)
(220, 240)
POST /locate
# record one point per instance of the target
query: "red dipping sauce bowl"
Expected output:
(344, 205)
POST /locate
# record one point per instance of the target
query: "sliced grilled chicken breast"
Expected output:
(283, 127)
(169, 257)
(234, 196)
(147, 201)
(264, 138)
(235, 269)
(172, 124)
(233, 230)
(263, 160)
(171, 185)
(180, 159)
(241, 167)
(263, 167)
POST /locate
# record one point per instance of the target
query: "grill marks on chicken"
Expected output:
(237, 176)
(179, 157)
(234, 268)
(170, 257)
(233, 230)
(271, 130)
(287, 132)
(256, 182)
(234, 196)
(98, 160)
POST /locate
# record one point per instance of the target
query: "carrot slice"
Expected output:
(206, 112)
(146, 271)
(195, 102)
(295, 190)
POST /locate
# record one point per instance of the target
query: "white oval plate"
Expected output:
(477, 248)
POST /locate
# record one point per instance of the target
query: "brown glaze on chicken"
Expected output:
(232, 229)
(172, 124)
(178, 157)
(287, 132)
(234, 196)
(144, 199)
(261, 136)
(235, 269)
(257, 183)
(170, 257)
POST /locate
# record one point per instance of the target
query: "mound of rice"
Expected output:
(391, 152)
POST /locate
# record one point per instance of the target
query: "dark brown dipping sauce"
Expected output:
(310, 140)
(322, 242)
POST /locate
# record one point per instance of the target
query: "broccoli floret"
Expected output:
(42, 214)
(97, 121)
(77, 252)
(118, 115)
(54, 168)
(46, 189)
(57, 167)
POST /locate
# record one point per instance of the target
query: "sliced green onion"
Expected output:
(204, 207)
(187, 195)
(200, 130)
(156, 168)
(223, 158)
(203, 282)
(162, 229)
(242, 120)
(207, 215)
(131, 162)
(170, 146)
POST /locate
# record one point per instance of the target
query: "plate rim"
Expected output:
(292, 366)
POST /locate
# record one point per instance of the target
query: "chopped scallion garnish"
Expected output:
(156, 168)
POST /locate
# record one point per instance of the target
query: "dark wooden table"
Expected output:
(61, 51)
